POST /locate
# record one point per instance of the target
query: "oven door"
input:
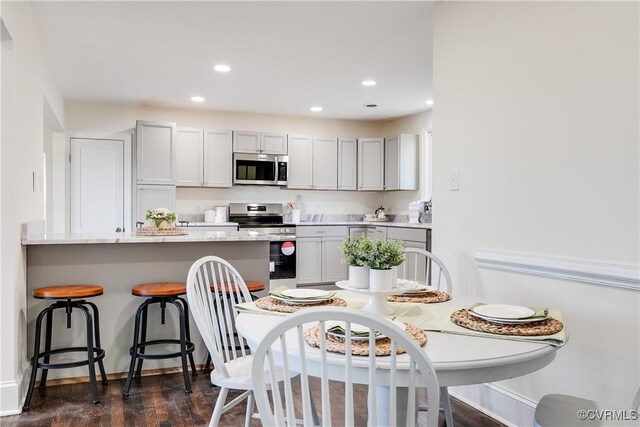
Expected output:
(282, 264)
(255, 169)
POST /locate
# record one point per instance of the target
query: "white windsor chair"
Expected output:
(214, 288)
(423, 266)
(286, 346)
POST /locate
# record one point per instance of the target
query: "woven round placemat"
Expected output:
(548, 326)
(272, 304)
(425, 297)
(361, 348)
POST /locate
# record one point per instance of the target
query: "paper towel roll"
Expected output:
(209, 215)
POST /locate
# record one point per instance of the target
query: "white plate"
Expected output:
(357, 328)
(420, 289)
(300, 301)
(503, 311)
(507, 321)
(305, 293)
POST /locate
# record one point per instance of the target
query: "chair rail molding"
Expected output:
(623, 276)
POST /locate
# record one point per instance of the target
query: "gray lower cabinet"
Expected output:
(414, 267)
(152, 197)
(319, 257)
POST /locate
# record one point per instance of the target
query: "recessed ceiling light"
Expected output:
(429, 102)
(316, 109)
(371, 105)
(369, 83)
(221, 68)
(197, 99)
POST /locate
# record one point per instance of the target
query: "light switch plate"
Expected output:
(454, 183)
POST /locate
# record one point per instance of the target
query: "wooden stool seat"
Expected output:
(67, 291)
(160, 289)
(252, 286)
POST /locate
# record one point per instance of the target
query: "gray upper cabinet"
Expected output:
(259, 142)
(401, 162)
(190, 157)
(156, 152)
(325, 163)
(300, 173)
(347, 163)
(371, 164)
(204, 158)
(218, 158)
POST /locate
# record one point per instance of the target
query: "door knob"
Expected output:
(118, 230)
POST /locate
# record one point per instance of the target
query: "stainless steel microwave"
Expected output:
(260, 169)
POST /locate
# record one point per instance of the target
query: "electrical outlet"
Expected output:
(454, 183)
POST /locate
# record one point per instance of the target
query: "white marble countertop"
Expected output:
(100, 238)
(366, 223)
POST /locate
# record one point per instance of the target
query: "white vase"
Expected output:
(380, 280)
(394, 279)
(358, 277)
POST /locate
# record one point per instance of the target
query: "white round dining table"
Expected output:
(457, 359)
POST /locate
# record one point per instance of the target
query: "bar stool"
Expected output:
(162, 293)
(68, 296)
(252, 286)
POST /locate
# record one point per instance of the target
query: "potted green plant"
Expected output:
(383, 258)
(354, 254)
(161, 217)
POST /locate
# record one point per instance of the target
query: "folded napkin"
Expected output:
(539, 311)
(278, 293)
(339, 330)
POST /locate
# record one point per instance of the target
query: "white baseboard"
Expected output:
(497, 402)
(12, 393)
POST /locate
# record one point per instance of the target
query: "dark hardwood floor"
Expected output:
(159, 401)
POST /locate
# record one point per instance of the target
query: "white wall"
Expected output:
(116, 118)
(26, 86)
(536, 103)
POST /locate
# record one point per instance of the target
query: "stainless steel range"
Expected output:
(268, 218)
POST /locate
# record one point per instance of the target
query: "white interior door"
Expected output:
(97, 185)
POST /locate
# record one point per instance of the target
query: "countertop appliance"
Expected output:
(268, 218)
(260, 169)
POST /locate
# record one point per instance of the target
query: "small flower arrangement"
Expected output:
(160, 217)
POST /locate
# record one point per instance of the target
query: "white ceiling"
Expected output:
(285, 56)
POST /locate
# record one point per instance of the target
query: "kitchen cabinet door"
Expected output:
(218, 159)
(401, 162)
(273, 143)
(189, 158)
(246, 142)
(152, 197)
(332, 268)
(156, 152)
(357, 232)
(309, 260)
(347, 163)
(300, 174)
(379, 233)
(325, 163)
(371, 164)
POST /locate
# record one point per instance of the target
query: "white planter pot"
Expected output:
(380, 280)
(394, 279)
(358, 277)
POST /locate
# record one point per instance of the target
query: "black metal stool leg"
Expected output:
(143, 339)
(90, 353)
(183, 345)
(36, 357)
(96, 336)
(47, 348)
(133, 350)
(188, 332)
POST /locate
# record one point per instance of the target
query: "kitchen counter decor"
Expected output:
(156, 231)
(161, 218)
